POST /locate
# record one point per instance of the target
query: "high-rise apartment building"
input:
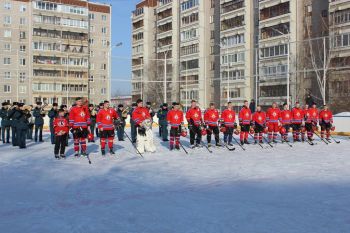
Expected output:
(56, 50)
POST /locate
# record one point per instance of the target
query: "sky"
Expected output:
(121, 32)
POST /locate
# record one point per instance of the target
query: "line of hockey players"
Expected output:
(85, 121)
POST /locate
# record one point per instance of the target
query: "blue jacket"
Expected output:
(39, 118)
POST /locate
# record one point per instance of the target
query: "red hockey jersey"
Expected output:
(79, 117)
(245, 116)
(60, 124)
(297, 115)
(229, 117)
(140, 114)
(326, 116)
(272, 115)
(175, 118)
(211, 117)
(105, 118)
(285, 117)
(194, 115)
(259, 118)
(311, 115)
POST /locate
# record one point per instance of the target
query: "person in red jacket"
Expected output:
(175, 118)
(105, 123)
(194, 119)
(211, 118)
(143, 122)
(297, 121)
(245, 119)
(286, 121)
(61, 130)
(259, 124)
(272, 119)
(311, 119)
(79, 122)
(228, 117)
(326, 122)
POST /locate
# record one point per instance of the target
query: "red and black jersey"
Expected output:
(245, 116)
(140, 114)
(259, 118)
(194, 115)
(211, 117)
(285, 117)
(175, 118)
(60, 124)
(311, 115)
(326, 116)
(272, 115)
(229, 117)
(105, 118)
(79, 117)
(297, 115)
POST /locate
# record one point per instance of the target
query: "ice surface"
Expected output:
(280, 190)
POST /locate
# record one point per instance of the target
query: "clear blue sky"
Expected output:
(121, 32)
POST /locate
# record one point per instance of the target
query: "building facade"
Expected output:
(56, 50)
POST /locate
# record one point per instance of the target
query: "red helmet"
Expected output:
(204, 132)
(333, 128)
(252, 131)
(266, 130)
(283, 130)
(184, 133)
(90, 137)
(223, 129)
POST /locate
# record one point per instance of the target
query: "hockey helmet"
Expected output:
(283, 130)
(252, 131)
(333, 128)
(184, 133)
(204, 132)
(90, 137)
(223, 129)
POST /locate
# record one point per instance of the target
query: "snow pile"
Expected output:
(286, 190)
(343, 114)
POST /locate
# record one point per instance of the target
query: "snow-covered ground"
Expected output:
(273, 190)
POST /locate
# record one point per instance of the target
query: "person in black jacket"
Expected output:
(39, 115)
(121, 126)
(53, 113)
(5, 122)
(13, 123)
(162, 122)
(252, 106)
(132, 124)
(22, 116)
(93, 115)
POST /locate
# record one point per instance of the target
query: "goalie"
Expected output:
(143, 122)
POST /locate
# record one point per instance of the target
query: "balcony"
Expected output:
(274, 11)
(232, 23)
(231, 6)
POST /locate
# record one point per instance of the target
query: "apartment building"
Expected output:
(238, 49)
(339, 31)
(58, 50)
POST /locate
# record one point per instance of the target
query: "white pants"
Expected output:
(145, 143)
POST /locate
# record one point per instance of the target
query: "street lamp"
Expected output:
(288, 60)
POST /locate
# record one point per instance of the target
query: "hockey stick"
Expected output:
(321, 138)
(336, 141)
(202, 143)
(230, 149)
(254, 140)
(88, 157)
(267, 141)
(183, 147)
(133, 144)
(238, 143)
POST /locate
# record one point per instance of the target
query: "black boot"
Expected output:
(57, 157)
(246, 142)
(103, 152)
(111, 151)
(177, 147)
(63, 156)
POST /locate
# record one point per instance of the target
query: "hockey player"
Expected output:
(175, 119)
(245, 119)
(105, 123)
(53, 113)
(194, 119)
(311, 119)
(79, 122)
(228, 117)
(297, 121)
(143, 121)
(61, 130)
(211, 118)
(273, 123)
(259, 124)
(286, 120)
(326, 122)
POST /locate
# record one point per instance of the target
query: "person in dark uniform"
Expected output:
(22, 116)
(132, 124)
(13, 123)
(30, 124)
(39, 115)
(5, 122)
(93, 114)
(162, 121)
(53, 113)
(121, 126)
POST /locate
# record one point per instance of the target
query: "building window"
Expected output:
(92, 28)
(22, 48)
(232, 58)
(22, 61)
(22, 35)
(22, 21)
(91, 90)
(7, 88)
(22, 90)
(7, 47)
(104, 18)
(23, 8)
(274, 51)
(7, 33)
(7, 19)
(91, 78)
(7, 5)
(7, 75)
(233, 40)
(103, 91)
(104, 30)
(7, 61)
(103, 66)
(189, 34)
(91, 41)
(189, 4)
(22, 77)
(91, 16)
